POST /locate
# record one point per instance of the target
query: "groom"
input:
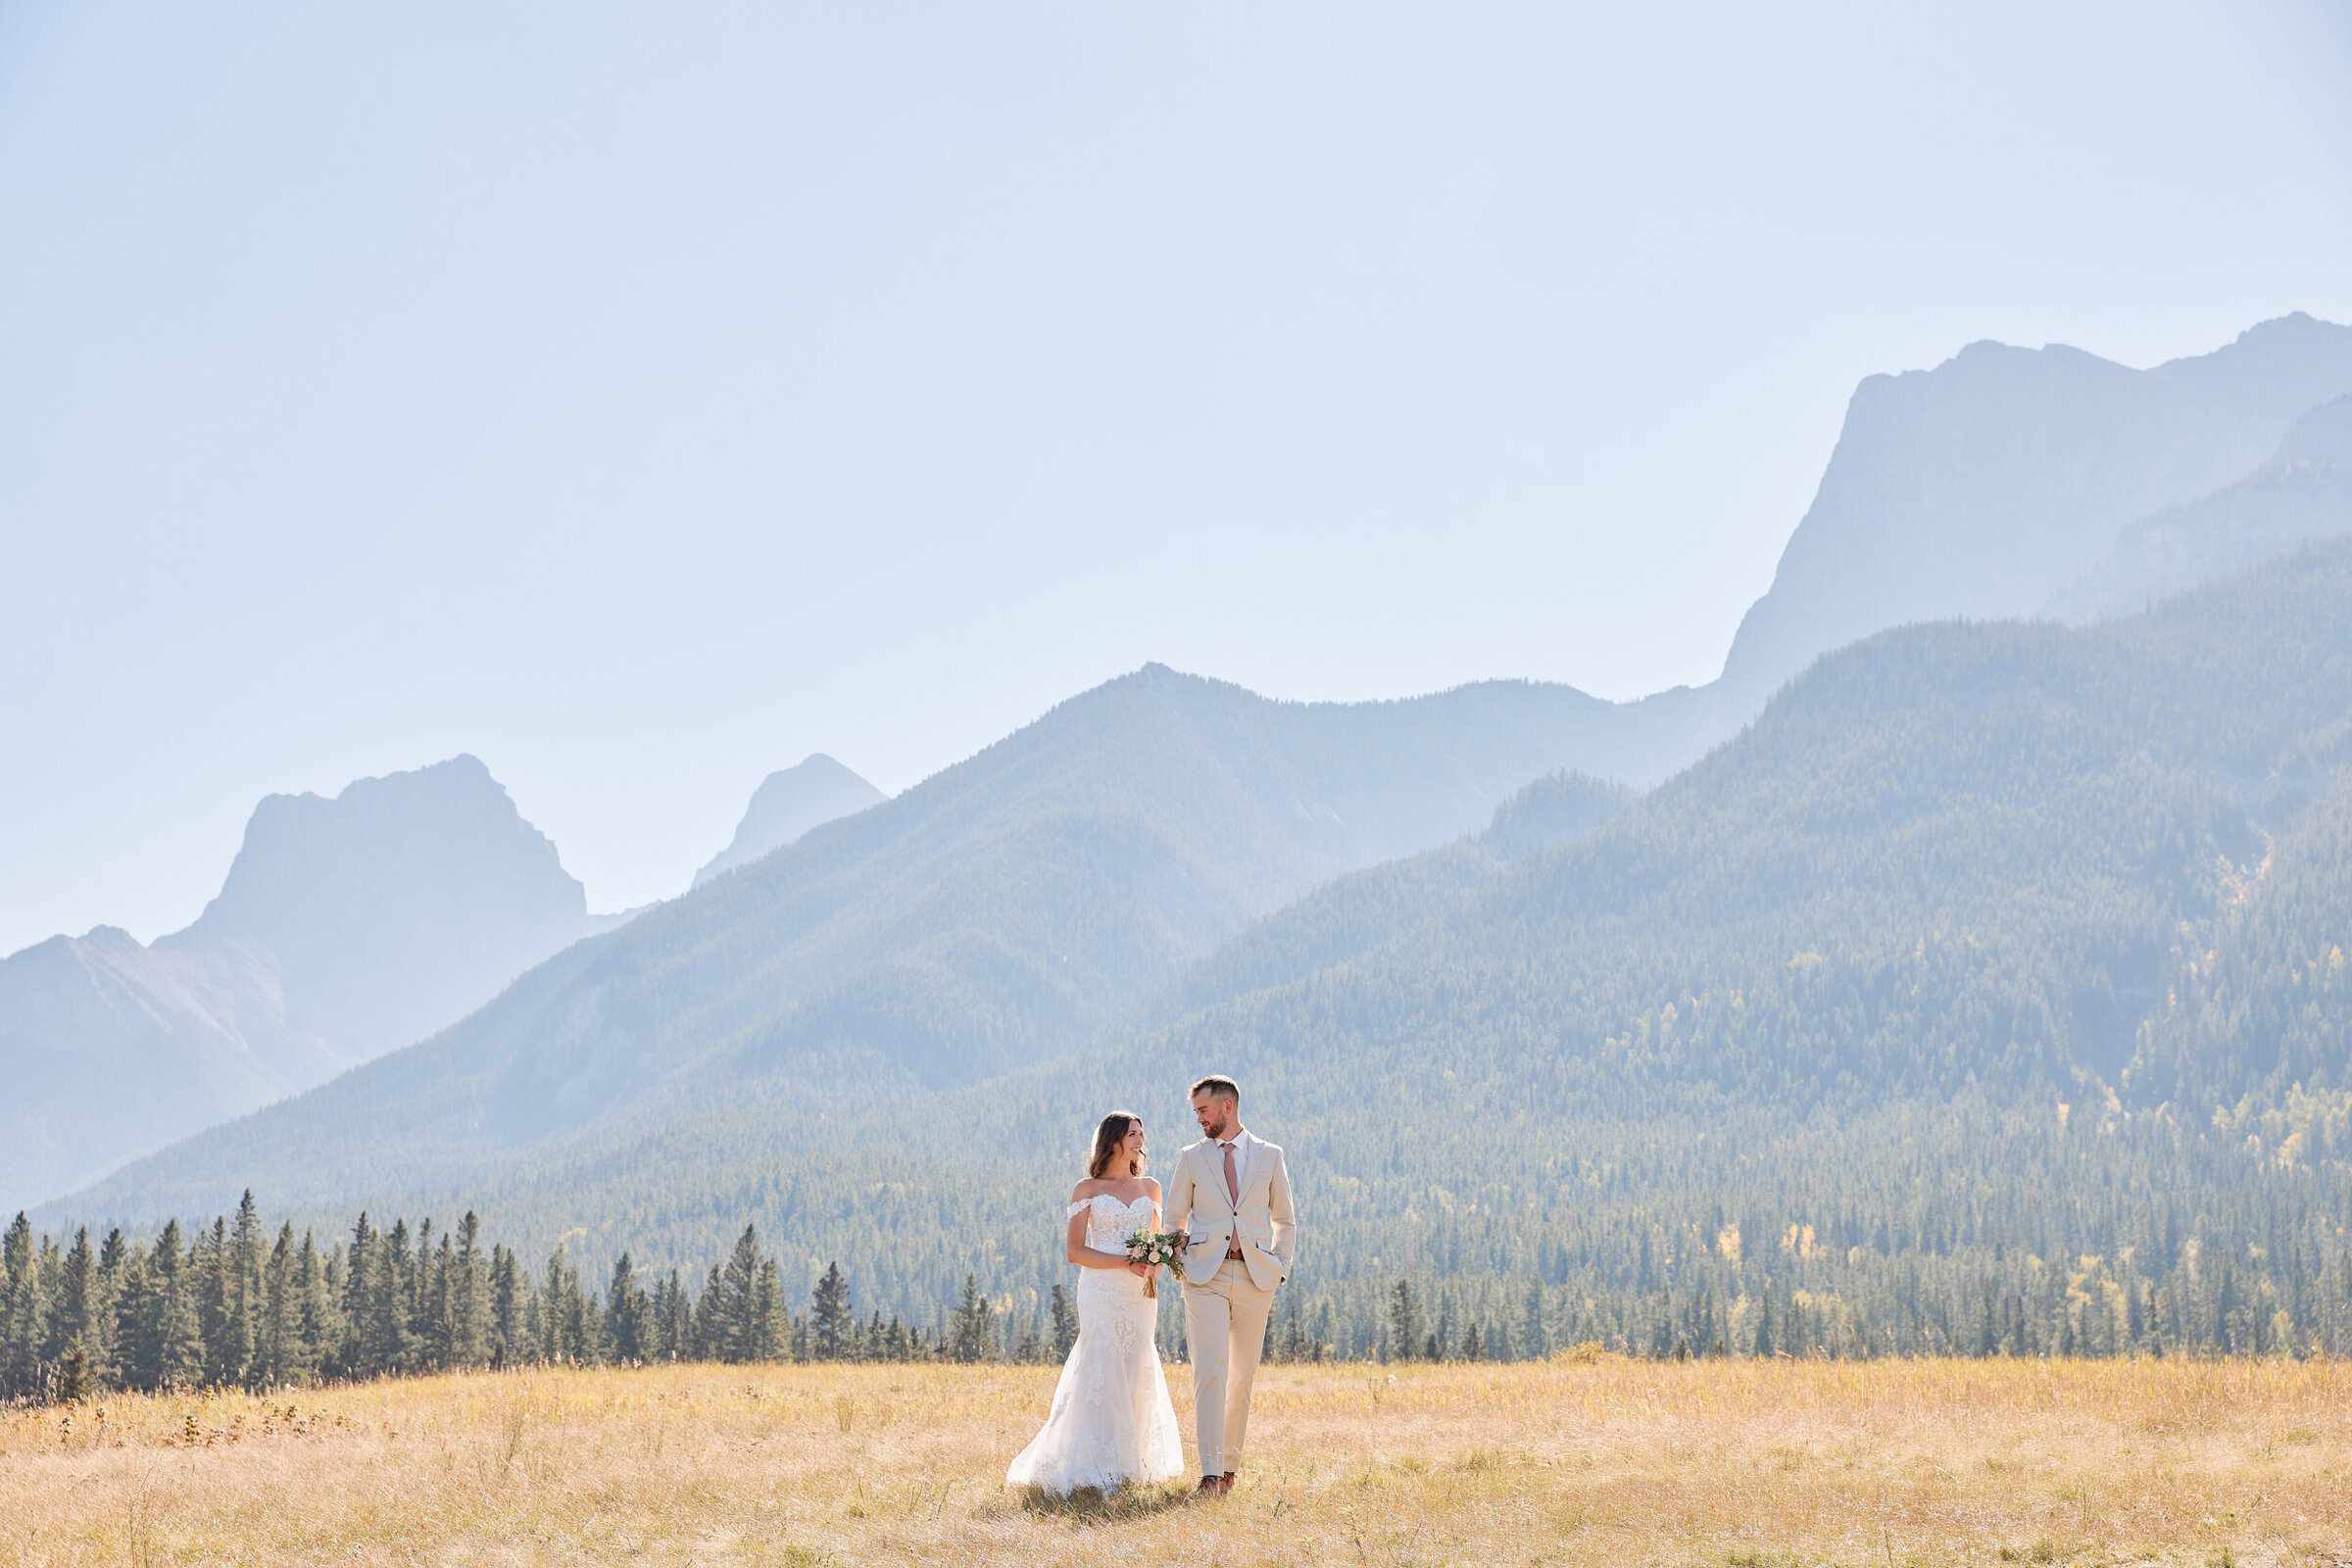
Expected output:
(1231, 1194)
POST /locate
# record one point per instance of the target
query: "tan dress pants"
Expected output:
(1224, 1330)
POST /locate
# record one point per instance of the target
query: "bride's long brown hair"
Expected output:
(1107, 1137)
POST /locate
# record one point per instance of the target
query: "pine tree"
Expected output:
(216, 1292)
(242, 1291)
(81, 1322)
(469, 1306)
(1065, 1324)
(673, 1321)
(771, 1323)
(740, 1328)
(714, 1329)
(115, 1259)
(357, 1356)
(320, 1324)
(1294, 1335)
(1404, 1320)
(565, 1313)
(24, 1313)
(278, 1338)
(628, 1316)
(975, 1334)
(507, 1292)
(179, 1357)
(438, 1333)
(387, 1341)
(830, 1325)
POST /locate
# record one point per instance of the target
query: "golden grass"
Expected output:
(1612, 1461)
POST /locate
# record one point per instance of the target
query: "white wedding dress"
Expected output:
(1111, 1422)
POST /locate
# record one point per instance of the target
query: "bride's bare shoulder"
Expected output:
(1152, 1187)
(1086, 1189)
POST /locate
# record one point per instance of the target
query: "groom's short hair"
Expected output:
(1219, 1088)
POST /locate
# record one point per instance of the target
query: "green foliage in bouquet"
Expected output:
(1156, 1249)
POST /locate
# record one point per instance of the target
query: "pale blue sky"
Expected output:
(642, 397)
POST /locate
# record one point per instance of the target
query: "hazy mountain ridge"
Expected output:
(1985, 486)
(402, 904)
(1014, 906)
(344, 928)
(788, 802)
(2303, 492)
(996, 915)
(1943, 883)
(113, 1048)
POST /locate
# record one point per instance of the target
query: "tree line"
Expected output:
(226, 1306)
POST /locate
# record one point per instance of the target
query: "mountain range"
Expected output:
(1948, 877)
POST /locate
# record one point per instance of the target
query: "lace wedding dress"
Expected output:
(1111, 1422)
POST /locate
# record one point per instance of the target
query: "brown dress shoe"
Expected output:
(1225, 1483)
(1211, 1486)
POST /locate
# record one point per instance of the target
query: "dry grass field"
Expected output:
(1604, 1462)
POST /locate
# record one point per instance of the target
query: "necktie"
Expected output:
(1233, 1183)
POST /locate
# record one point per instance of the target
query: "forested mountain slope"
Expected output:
(345, 928)
(997, 914)
(1952, 860)
(1985, 943)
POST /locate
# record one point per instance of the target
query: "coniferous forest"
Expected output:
(230, 1306)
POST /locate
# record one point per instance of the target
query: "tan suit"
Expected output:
(1227, 1299)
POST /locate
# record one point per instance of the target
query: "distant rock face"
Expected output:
(1984, 486)
(2303, 493)
(398, 906)
(346, 928)
(787, 804)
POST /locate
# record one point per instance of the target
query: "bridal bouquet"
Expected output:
(1156, 1249)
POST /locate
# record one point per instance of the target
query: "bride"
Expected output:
(1111, 1422)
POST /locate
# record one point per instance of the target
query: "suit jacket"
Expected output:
(1197, 1200)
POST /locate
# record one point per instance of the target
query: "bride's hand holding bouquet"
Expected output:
(1154, 1251)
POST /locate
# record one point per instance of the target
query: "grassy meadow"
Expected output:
(1567, 1461)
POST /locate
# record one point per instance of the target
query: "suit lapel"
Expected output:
(1212, 1170)
(1242, 1150)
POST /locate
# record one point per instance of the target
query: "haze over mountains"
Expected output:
(2303, 492)
(1981, 488)
(1945, 871)
(346, 927)
(994, 916)
(1853, 972)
